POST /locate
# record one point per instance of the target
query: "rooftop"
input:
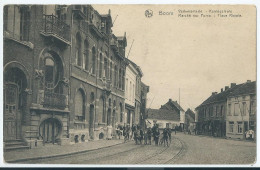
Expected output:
(163, 114)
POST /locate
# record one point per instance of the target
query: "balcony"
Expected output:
(79, 11)
(54, 100)
(54, 27)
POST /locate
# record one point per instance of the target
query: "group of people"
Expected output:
(144, 136)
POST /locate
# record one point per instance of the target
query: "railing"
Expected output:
(54, 100)
(53, 25)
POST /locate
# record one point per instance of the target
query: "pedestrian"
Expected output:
(127, 132)
(169, 134)
(156, 136)
(149, 135)
(141, 136)
(118, 131)
(124, 133)
(145, 136)
(165, 137)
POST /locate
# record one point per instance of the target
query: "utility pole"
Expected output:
(130, 48)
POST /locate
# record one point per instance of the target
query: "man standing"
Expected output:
(165, 136)
(149, 135)
(169, 134)
(156, 136)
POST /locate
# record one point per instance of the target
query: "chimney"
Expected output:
(214, 93)
(170, 100)
(221, 89)
(248, 81)
(232, 85)
(226, 87)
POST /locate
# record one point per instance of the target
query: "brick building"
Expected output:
(64, 74)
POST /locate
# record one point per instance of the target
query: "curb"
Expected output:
(58, 155)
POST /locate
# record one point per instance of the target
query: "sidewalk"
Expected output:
(49, 151)
(235, 139)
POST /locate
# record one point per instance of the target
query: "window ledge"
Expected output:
(7, 35)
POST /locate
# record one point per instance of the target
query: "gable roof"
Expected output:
(171, 104)
(222, 96)
(190, 113)
(246, 88)
(163, 114)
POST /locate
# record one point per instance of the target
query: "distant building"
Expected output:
(163, 117)
(241, 111)
(175, 107)
(189, 119)
(212, 113)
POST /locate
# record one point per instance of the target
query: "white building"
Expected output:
(164, 118)
(130, 89)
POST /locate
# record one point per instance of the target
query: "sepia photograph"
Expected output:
(129, 84)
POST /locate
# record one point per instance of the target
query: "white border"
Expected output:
(230, 2)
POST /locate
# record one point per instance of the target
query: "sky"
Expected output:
(193, 56)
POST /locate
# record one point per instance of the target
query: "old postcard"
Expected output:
(129, 84)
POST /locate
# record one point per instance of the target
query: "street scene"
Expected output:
(101, 84)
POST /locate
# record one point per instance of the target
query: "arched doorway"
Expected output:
(50, 130)
(15, 99)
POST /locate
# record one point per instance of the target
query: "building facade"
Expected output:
(241, 111)
(64, 74)
(130, 94)
(163, 117)
(175, 107)
(189, 123)
(212, 112)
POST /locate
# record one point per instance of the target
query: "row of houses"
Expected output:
(230, 113)
(171, 115)
(66, 76)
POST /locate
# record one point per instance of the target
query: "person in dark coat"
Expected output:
(149, 136)
(141, 136)
(156, 136)
(165, 137)
(169, 134)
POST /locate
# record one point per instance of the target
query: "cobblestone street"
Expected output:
(184, 149)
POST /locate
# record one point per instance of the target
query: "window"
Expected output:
(231, 127)
(126, 88)
(49, 72)
(244, 108)
(229, 109)
(217, 111)
(17, 21)
(236, 109)
(252, 108)
(111, 68)
(78, 50)
(239, 127)
(100, 65)
(123, 83)
(130, 91)
(93, 69)
(133, 92)
(115, 79)
(103, 111)
(106, 68)
(221, 110)
(86, 55)
(120, 80)
(79, 106)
